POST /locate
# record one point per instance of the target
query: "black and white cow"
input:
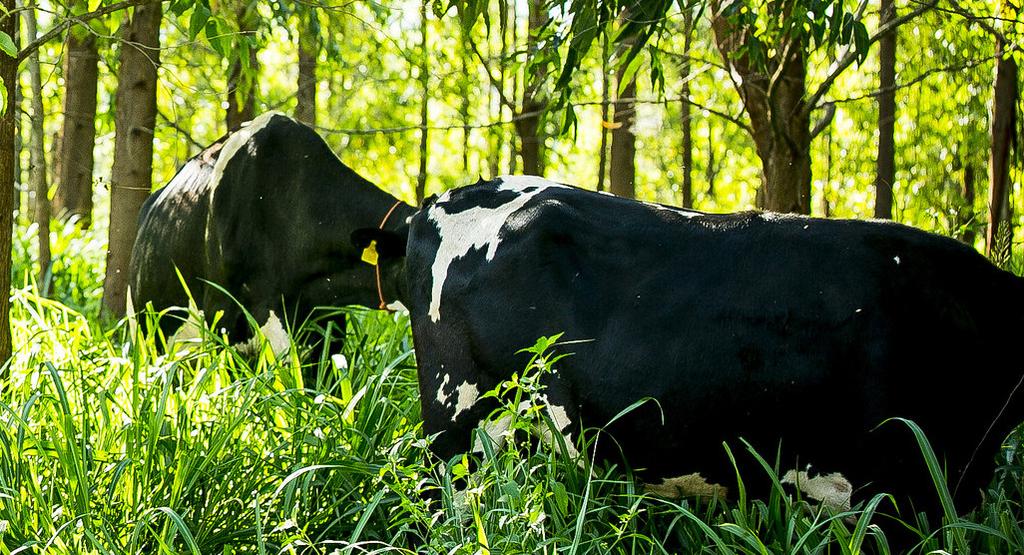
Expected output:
(265, 214)
(771, 328)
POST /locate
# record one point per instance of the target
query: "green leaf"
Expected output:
(7, 45)
(196, 23)
(861, 42)
(3, 97)
(215, 37)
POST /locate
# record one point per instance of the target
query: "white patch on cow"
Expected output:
(897, 259)
(690, 485)
(496, 430)
(235, 142)
(396, 306)
(465, 397)
(475, 228)
(560, 418)
(832, 490)
(442, 397)
(278, 339)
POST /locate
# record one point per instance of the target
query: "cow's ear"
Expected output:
(386, 244)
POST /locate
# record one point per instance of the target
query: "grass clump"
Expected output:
(110, 445)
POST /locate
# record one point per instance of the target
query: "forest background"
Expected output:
(908, 110)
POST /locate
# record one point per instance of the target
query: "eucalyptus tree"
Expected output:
(132, 174)
(1004, 128)
(73, 197)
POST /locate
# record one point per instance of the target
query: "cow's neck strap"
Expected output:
(370, 253)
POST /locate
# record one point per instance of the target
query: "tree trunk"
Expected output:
(421, 177)
(9, 77)
(513, 157)
(132, 174)
(606, 78)
(1004, 125)
(622, 172)
(528, 123)
(19, 183)
(779, 121)
(886, 164)
(37, 156)
(73, 197)
(241, 85)
(309, 50)
(965, 221)
(686, 117)
(497, 132)
(464, 101)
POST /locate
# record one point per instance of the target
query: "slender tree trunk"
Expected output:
(241, 85)
(37, 155)
(9, 76)
(775, 102)
(686, 118)
(513, 145)
(606, 78)
(622, 171)
(623, 159)
(421, 177)
(73, 197)
(309, 50)
(1004, 126)
(497, 132)
(464, 100)
(132, 174)
(528, 125)
(19, 182)
(965, 222)
(886, 164)
(711, 173)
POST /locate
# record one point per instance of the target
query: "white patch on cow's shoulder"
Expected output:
(442, 397)
(475, 228)
(690, 485)
(465, 397)
(235, 142)
(832, 490)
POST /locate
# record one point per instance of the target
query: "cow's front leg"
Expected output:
(451, 405)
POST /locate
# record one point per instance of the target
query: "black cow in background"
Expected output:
(265, 213)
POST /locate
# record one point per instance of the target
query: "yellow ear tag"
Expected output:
(370, 253)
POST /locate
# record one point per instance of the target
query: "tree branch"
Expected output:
(526, 115)
(76, 20)
(826, 119)
(851, 56)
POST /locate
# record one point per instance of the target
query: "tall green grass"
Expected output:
(108, 445)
